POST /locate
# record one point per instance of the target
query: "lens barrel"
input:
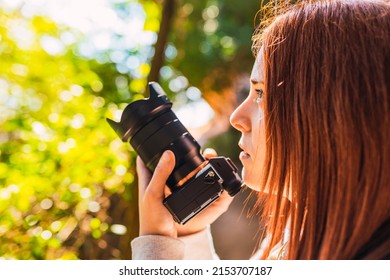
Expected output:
(152, 127)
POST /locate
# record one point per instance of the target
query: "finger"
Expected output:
(163, 169)
(144, 176)
(167, 191)
(209, 153)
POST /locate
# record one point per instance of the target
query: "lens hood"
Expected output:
(138, 113)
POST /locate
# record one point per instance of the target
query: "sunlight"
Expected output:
(97, 24)
(195, 114)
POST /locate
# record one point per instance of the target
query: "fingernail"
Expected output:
(164, 156)
(209, 151)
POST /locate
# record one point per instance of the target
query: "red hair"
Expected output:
(327, 114)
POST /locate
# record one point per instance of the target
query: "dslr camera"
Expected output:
(151, 127)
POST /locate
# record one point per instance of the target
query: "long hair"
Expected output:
(327, 115)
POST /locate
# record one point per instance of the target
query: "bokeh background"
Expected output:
(68, 188)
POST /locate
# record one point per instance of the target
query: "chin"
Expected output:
(250, 181)
(251, 184)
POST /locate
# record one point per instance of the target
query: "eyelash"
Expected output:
(260, 94)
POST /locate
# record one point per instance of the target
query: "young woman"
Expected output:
(315, 142)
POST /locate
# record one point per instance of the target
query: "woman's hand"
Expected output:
(155, 219)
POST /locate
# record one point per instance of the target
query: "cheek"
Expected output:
(253, 173)
(259, 142)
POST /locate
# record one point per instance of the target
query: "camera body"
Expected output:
(151, 127)
(202, 190)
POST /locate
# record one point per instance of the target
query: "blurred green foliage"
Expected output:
(61, 164)
(67, 183)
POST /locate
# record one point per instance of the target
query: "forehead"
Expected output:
(257, 70)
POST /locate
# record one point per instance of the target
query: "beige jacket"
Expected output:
(198, 246)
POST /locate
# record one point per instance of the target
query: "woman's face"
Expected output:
(248, 118)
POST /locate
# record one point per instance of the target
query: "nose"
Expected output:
(240, 119)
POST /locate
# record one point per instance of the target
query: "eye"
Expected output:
(259, 97)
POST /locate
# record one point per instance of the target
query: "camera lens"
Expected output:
(152, 128)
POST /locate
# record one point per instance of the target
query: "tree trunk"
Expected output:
(162, 39)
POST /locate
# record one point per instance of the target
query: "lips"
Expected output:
(244, 154)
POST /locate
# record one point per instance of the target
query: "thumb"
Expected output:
(160, 175)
